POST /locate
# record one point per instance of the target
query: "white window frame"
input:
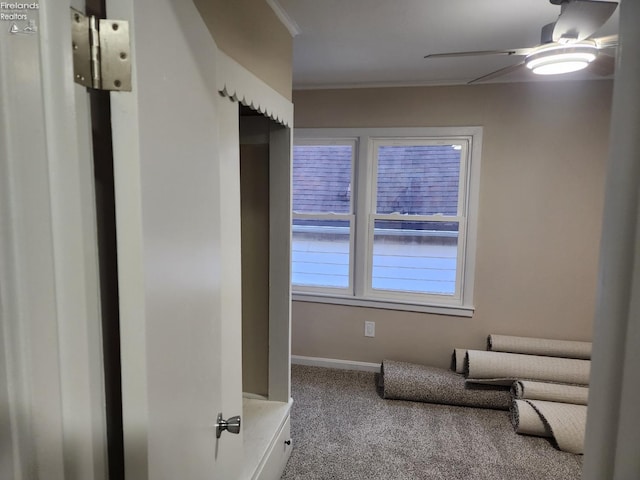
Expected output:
(363, 206)
(350, 217)
(460, 218)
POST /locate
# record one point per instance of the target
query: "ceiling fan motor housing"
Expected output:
(546, 35)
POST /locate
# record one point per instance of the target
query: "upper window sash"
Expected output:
(419, 165)
(324, 188)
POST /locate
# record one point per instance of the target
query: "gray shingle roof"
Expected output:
(419, 180)
(322, 178)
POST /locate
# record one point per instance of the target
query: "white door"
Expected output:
(51, 353)
(53, 396)
(178, 228)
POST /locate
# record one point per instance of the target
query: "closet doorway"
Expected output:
(254, 208)
(265, 213)
(265, 233)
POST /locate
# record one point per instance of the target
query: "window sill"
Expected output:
(456, 311)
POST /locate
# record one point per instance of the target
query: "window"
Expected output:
(386, 217)
(323, 216)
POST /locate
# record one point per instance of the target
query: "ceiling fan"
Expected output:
(566, 44)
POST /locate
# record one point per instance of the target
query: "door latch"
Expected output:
(232, 425)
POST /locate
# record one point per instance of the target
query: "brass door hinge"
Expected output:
(101, 52)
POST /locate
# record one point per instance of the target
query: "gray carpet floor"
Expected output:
(342, 429)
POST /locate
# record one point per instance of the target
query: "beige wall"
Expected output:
(541, 200)
(250, 33)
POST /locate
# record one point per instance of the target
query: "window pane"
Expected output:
(320, 253)
(418, 179)
(415, 256)
(322, 178)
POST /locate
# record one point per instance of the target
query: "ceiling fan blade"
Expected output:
(606, 42)
(581, 18)
(514, 51)
(498, 73)
(604, 65)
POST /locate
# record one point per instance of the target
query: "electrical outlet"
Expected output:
(369, 329)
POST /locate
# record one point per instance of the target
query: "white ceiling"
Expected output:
(348, 43)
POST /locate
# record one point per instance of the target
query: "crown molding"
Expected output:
(284, 17)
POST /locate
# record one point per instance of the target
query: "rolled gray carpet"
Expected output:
(566, 422)
(552, 392)
(527, 421)
(457, 359)
(419, 383)
(539, 346)
(499, 368)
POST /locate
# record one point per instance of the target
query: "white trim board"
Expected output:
(238, 83)
(335, 363)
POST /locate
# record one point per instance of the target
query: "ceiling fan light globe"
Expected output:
(557, 59)
(559, 68)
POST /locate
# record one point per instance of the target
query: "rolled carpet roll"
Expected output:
(527, 421)
(419, 383)
(499, 368)
(567, 423)
(457, 359)
(539, 346)
(552, 392)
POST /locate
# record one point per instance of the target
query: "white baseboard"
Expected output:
(335, 363)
